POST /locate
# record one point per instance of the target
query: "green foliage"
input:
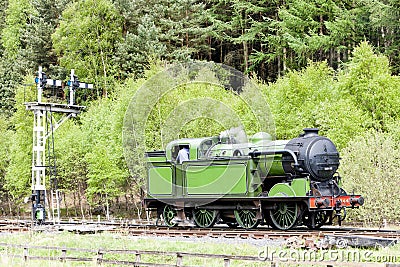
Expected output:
(303, 30)
(311, 98)
(184, 29)
(5, 150)
(18, 176)
(196, 110)
(36, 37)
(107, 174)
(13, 22)
(370, 165)
(134, 53)
(372, 87)
(70, 152)
(85, 40)
(18, 12)
(89, 151)
(294, 97)
(10, 77)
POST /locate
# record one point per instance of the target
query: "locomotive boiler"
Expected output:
(284, 183)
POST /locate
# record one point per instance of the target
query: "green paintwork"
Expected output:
(214, 170)
(156, 159)
(298, 187)
(193, 144)
(205, 218)
(271, 165)
(281, 190)
(160, 181)
(178, 180)
(216, 179)
(301, 186)
(169, 214)
(260, 138)
(285, 215)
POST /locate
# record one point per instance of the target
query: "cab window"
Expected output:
(175, 151)
(205, 146)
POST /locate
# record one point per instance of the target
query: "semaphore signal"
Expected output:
(43, 156)
(74, 84)
(41, 80)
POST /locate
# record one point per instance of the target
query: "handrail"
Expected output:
(257, 153)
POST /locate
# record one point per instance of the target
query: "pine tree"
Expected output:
(166, 30)
(36, 39)
(134, 53)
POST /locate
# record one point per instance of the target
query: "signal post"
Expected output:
(43, 156)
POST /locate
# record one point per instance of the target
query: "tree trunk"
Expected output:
(246, 56)
(80, 202)
(284, 60)
(221, 58)
(65, 204)
(9, 204)
(338, 57)
(75, 211)
(209, 49)
(126, 202)
(278, 66)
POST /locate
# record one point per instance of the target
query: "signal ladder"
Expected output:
(52, 167)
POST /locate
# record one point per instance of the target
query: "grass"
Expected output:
(199, 245)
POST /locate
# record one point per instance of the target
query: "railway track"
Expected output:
(295, 238)
(145, 229)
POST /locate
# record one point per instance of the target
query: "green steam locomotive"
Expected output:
(283, 183)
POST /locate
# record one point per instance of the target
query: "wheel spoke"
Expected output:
(284, 217)
(205, 218)
(169, 214)
(290, 215)
(285, 220)
(208, 217)
(246, 218)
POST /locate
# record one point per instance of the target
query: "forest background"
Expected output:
(328, 64)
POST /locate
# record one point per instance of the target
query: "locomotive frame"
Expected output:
(281, 183)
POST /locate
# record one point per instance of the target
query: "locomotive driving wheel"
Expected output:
(205, 218)
(247, 218)
(169, 213)
(320, 218)
(284, 217)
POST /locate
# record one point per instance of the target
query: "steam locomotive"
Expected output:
(283, 183)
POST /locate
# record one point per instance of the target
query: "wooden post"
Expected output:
(227, 262)
(178, 259)
(63, 254)
(26, 254)
(99, 257)
(138, 258)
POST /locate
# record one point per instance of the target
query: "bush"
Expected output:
(370, 165)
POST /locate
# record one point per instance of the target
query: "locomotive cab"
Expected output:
(176, 152)
(189, 144)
